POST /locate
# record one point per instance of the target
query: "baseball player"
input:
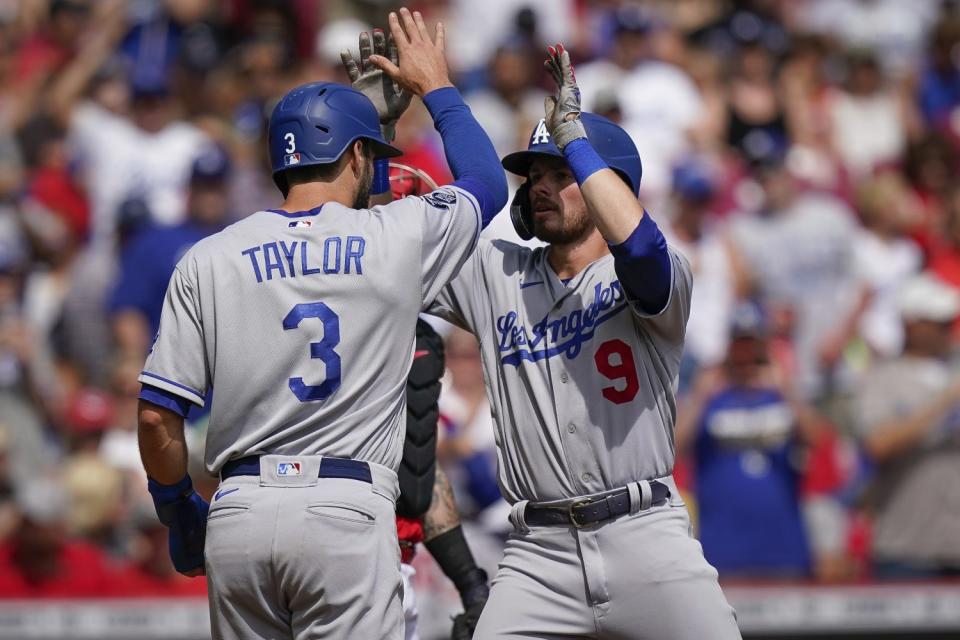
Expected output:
(580, 343)
(426, 511)
(302, 318)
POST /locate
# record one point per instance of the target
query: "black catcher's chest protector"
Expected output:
(419, 463)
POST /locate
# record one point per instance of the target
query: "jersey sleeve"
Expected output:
(670, 324)
(450, 224)
(461, 302)
(177, 363)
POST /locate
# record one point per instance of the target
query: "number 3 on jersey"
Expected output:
(615, 368)
(322, 350)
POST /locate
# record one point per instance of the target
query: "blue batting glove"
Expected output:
(184, 513)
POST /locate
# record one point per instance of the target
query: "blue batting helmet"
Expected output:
(316, 122)
(609, 140)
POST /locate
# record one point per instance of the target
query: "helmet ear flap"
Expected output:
(520, 212)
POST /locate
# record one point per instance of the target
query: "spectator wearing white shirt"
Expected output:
(885, 258)
(478, 27)
(867, 118)
(148, 154)
(628, 48)
(661, 106)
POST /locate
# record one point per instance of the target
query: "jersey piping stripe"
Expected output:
(297, 214)
(176, 384)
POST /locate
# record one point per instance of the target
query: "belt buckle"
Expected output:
(573, 518)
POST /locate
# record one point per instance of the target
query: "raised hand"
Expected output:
(422, 65)
(390, 99)
(562, 113)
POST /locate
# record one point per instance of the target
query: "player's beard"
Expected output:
(568, 229)
(362, 198)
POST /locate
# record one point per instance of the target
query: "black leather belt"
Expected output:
(329, 468)
(582, 513)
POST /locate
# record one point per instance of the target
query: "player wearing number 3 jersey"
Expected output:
(581, 344)
(302, 319)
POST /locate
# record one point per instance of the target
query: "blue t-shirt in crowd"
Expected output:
(939, 95)
(747, 485)
(147, 264)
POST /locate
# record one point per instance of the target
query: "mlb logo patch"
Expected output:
(300, 224)
(291, 159)
(289, 469)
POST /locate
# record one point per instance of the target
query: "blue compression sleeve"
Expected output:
(381, 176)
(583, 159)
(165, 399)
(470, 154)
(643, 265)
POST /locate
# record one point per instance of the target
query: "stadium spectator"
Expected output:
(756, 124)
(908, 422)
(868, 119)
(131, 144)
(797, 248)
(885, 257)
(150, 573)
(744, 429)
(88, 340)
(148, 261)
(512, 104)
(40, 561)
(692, 232)
(939, 87)
(627, 48)
(661, 107)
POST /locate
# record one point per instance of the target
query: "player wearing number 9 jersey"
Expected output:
(302, 318)
(580, 343)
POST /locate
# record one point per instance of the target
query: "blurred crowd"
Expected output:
(802, 154)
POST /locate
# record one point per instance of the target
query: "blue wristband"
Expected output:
(165, 493)
(381, 176)
(583, 159)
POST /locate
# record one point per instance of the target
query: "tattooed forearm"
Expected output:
(442, 516)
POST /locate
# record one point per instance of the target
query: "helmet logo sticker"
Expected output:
(540, 134)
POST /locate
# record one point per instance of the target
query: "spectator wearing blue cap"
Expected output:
(744, 432)
(148, 261)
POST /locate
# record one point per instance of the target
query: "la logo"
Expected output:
(540, 135)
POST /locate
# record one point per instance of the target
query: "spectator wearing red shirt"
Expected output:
(52, 46)
(150, 573)
(38, 561)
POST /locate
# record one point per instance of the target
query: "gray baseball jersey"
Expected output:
(581, 382)
(303, 324)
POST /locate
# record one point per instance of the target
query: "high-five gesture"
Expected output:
(422, 65)
(390, 99)
(563, 112)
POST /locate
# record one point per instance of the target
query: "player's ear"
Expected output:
(357, 158)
